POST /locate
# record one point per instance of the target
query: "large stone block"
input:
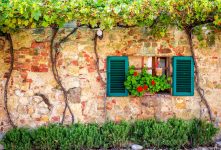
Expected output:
(74, 95)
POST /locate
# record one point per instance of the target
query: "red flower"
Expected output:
(145, 87)
(153, 82)
(135, 74)
(139, 89)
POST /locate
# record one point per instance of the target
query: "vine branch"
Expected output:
(99, 74)
(53, 56)
(97, 59)
(124, 26)
(66, 37)
(45, 99)
(11, 50)
(197, 77)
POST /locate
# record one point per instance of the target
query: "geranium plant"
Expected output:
(140, 83)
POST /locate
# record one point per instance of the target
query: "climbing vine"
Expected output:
(8, 77)
(53, 55)
(156, 15)
(190, 17)
(197, 77)
(99, 74)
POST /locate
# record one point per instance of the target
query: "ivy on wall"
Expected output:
(190, 16)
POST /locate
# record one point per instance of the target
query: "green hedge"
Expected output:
(175, 133)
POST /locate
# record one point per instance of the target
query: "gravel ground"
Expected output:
(217, 147)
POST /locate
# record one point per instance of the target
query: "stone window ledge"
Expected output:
(158, 95)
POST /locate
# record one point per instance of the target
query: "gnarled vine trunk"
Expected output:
(8, 77)
(199, 90)
(99, 74)
(53, 56)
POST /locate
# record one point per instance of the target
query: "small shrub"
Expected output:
(94, 138)
(47, 137)
(141, 131)
(201, 133)
(81, 136)
(74, 137)
(17, 139)
(115, 135)
(171, 134)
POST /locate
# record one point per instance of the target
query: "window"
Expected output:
(183, 76)
(153, 63)
(117, 68)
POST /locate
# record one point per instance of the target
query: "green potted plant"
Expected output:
(140, 83)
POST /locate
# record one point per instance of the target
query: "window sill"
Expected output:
(157, 95)
(153, 95)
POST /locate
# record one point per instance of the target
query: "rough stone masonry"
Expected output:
(76, 65)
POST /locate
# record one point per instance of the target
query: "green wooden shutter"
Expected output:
(183, 76)
(117, 68)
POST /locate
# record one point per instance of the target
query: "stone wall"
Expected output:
(76, 65)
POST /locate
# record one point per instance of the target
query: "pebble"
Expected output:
(1, 135)
(1, 147)
(218, 144)
(136, 147)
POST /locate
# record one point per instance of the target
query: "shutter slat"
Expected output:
(183, 76)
